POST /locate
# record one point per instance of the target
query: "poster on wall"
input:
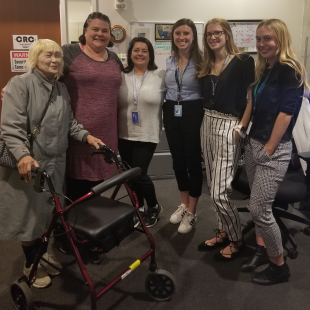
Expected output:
(23, 41)
(18, 61)
(244, 33)
(144, 32)
(163, 32)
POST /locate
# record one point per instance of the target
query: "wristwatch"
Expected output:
(241, 130)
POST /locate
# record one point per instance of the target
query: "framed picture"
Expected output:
(163, 32)
(244, 32)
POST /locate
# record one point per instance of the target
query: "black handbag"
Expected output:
(6, 157)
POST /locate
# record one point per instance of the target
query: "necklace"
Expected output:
(224, 64)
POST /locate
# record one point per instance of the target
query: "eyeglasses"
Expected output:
(216, 34)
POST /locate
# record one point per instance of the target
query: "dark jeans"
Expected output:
(183, 135)
(77, 188)
(139, 154)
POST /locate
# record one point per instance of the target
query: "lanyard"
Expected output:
(179, 82)
(258, 91)
(214, 84)
(135, 90)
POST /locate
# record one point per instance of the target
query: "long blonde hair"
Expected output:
(209, 55)
(286, 54)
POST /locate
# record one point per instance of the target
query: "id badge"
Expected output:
(249, 128)
(178, 110)
(135, 117)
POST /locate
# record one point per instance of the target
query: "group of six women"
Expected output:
(212, 100)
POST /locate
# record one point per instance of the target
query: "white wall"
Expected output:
(290, 11)
(77, 11)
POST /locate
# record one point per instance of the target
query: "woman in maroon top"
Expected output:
(92, 75)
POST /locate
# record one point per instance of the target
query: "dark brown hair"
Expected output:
(95, 15)
(195, 52)
(151, 65)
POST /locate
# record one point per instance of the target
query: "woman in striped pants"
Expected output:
(225, 77)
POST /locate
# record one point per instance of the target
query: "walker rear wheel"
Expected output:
(160, 285)
(22, 296)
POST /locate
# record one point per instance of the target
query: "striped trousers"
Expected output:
(265, 174)
(221, 155)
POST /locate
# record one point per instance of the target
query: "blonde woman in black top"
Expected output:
(276, 97)
(225, 77)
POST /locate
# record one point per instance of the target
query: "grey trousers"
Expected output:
(221, 155)
(265, 174)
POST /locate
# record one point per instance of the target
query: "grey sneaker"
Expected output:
(188, 221)
(42, 278)
(177, 216)
(48, 268)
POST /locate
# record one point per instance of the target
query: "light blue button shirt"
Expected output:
(190, 87)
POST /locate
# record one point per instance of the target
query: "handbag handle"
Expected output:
(30, 136)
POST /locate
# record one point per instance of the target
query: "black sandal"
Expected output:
(233, 244)
(218, 234)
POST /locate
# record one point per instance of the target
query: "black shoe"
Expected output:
(272, 274)
(259, 258)
(136, 221)
(208, 247)
(154, 212)
(148, 219)
(219, 257)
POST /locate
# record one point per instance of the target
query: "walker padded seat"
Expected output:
(102, 220)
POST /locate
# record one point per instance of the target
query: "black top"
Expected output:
(281, 93)
(231, 90)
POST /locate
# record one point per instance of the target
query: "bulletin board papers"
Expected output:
(244, 33)
(162, 48)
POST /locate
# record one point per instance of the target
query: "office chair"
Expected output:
(294, 189)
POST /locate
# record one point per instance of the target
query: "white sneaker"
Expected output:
(42, 278)
(177, 216)
(48, 268)
(187, 223)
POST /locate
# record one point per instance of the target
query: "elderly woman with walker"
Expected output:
(36, 122)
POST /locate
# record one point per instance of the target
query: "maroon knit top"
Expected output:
(93, 87)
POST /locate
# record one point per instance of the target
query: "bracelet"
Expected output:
(241, 134)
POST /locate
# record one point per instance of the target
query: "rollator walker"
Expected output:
(98, 224)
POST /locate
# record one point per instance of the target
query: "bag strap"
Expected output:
(30, 136)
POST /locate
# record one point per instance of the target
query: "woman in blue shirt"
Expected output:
(182, 116)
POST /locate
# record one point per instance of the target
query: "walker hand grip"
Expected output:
(39, 179)
(34, 169)
(115, 180)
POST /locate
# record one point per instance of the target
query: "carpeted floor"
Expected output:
(201, 283)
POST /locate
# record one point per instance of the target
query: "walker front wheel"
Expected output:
(160, 285)
(22, 296)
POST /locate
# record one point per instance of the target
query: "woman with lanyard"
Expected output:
(140, 120)
(182, 120)
(225, 78)
(280, 80)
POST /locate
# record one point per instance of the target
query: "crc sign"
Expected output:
(23, 41)
(18, 61)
